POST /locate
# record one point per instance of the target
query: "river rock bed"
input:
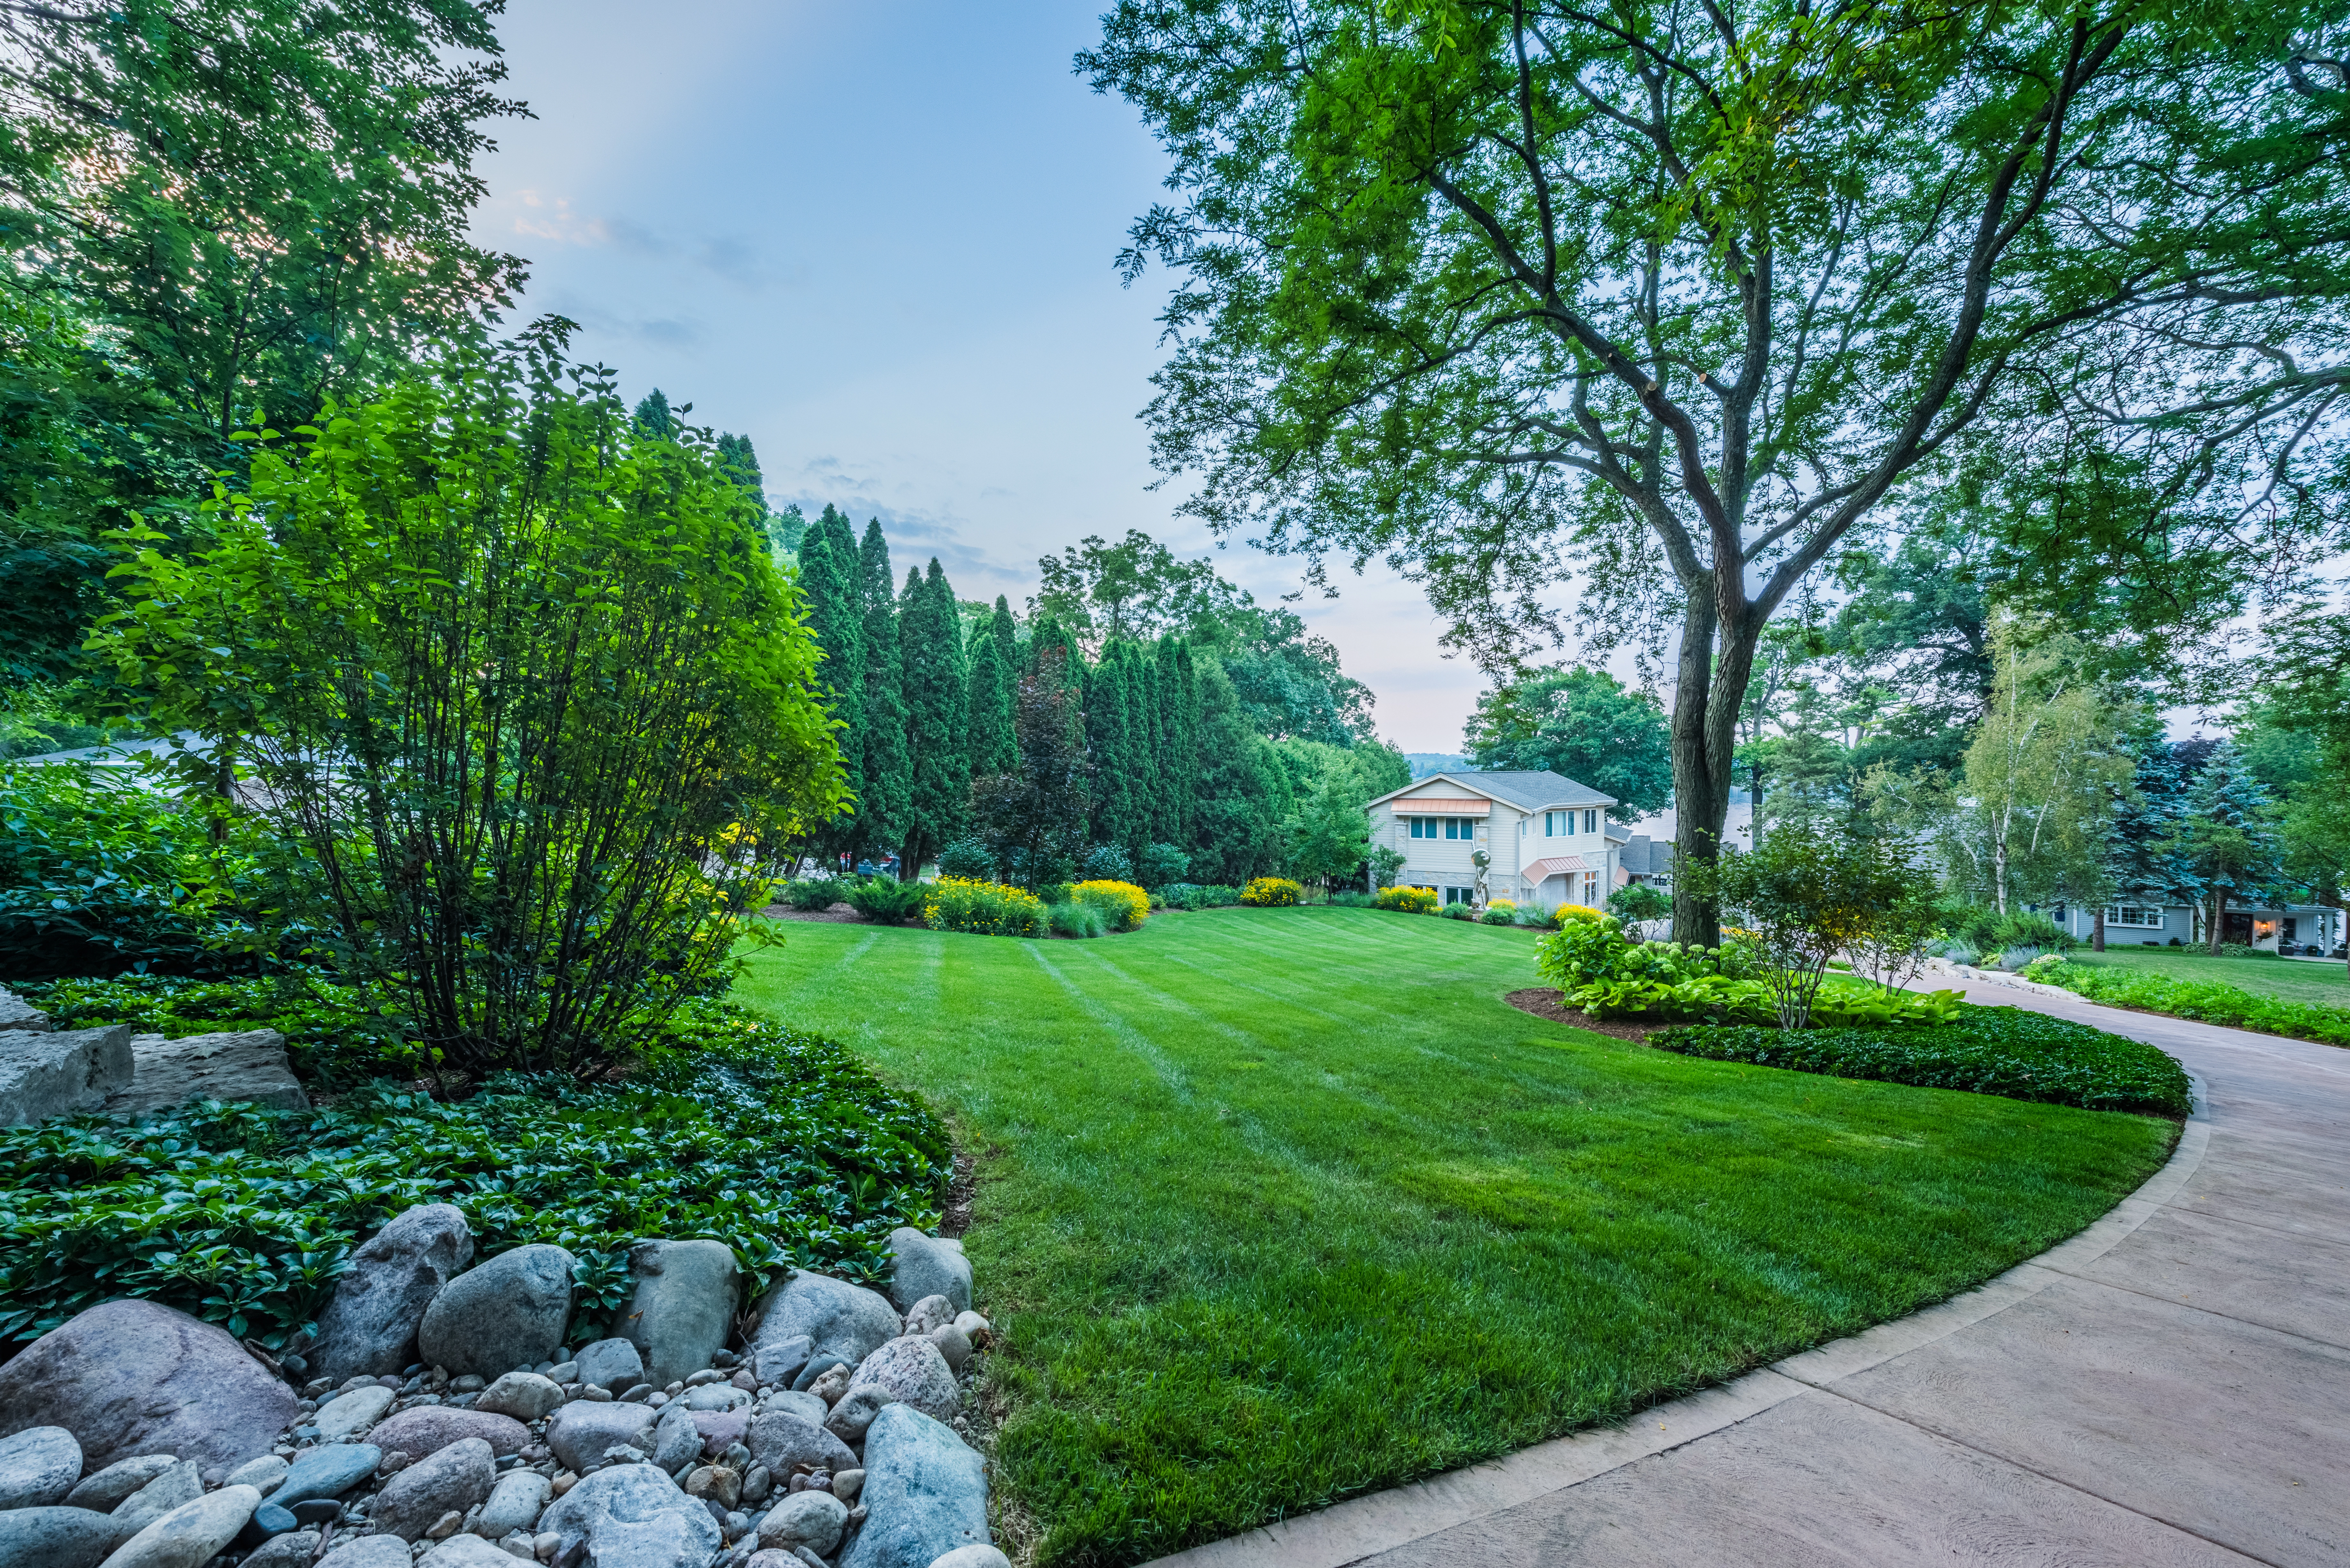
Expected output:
(436, 1416)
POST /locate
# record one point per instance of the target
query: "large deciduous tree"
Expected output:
(1687, 292)
(1583, 724)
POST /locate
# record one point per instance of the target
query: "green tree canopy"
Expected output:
(1583, 724)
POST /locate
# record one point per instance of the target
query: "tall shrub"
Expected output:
(521, 682)
(1804, 896)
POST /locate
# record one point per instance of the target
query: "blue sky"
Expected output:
(878, 240)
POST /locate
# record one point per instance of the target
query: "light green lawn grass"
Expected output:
(2288, 979)
(1281, 1206)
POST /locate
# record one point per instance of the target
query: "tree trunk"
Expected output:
(2218, 920)
(2097, 932)
(1700, 770)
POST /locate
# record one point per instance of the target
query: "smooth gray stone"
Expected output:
(953, 1344)
(315, 1511)
(19, 1016)
(429, 1429)
(916, 1371)
(348, 1414)
(715, 1397)
(454, 1480)
(260, 1474)
(669, 1539)
(807, 1406)
(973, 1557)
(191, 1533)
(175, 1487)
(38, 1466)
(925, 1493)
(130, 1377)
(853, 1417)
(612, 1509)
(612, 1364)
(818, 1365)
(583, 1429)
(515, 1504)
(246, 1067)
(930, 1314)
(839, 1318)
(466, 1551)
(326, 1472)
(677, 1441)
(369, 1326)
(62, 1073)
(105, 1489)
(367, 1552)
(684, 1305)
(926, 1266)
(509, 1311)
(270, 1521)
(780, 1439)
(59, 1537)
(810, 1518)
(293, 1549)
(524, 1395)
(781, 1361)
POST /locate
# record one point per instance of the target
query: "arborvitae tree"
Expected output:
(1050, 646)
(938, 700)
(833, 582)
(740, 462)
(1007, 637)
(889, 772)
(1033, 815)
(1120, 738)
(991, 745)
(653, 415)
(787, 528)
(1241, 800)
(1186, 707)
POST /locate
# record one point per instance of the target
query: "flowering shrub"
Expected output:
(982, 908)
(1598, 969)
(1409, 900)
(1270, 893)
(1569, 914)
(1122, 904)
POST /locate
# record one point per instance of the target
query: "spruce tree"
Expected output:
(938, 700)
(2226, 838)
(832, 583)
(653, 415)
(993, 747)
(888, 772)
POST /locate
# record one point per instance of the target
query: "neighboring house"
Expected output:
(1645, 860)
(2156, 924)
(1547, 838)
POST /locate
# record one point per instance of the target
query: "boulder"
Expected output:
(914, 1370)
(583, 1429)
(369, 1552)
(924, 1494)
(449, 1481)
(780, 1361)
(632, 1516)
(952, 1343)
(810, 1518)
(973, 1557)
(260, 1474)
(19, 1016)
(429, 1429)
(103, 1490)
(191, 1533)
(780, 1439)
(175, 1487)
(249, 1066)
(524, 1395)
(293, 1549)
(683, 1308)
(46, 1074)
(348, 1414)
(515, 1504)
(38, 1466)
(133, 1378)
(677, 1441)
(369, 1326)
(612, 1364)
(329, 1471)
(55, 1538)
(509, 1311)
(928, 1266)
(974, 1327)
(928, 1313)
(806, 1406)
(839, 1319)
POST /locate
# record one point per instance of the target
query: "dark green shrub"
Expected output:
(883, 899)
(1107, 862)
(1198, 895)
(780, 1144)
(1457, 912)
(1055, 892)
(2212, 1001)
(1076, 919)
(1638, 901)
(1162, 864)
(1352, 899)
(811, 895)
(2002, 1051)
(969, 860)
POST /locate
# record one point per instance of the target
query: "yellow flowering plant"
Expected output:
(1409, 900)
(982, 908)
(1122, 904)
(1272, 893)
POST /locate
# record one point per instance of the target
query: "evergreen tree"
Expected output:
(1176, 755)
(2226, 839)
(654, 416)
(1032, 816)
(1122, 814)
(889, 770)
(1052, 649)
(938, 702)
(1007, 636)
(1242, 797)
(787, 528)
(832, 581)
(740, 463)
(991, 745)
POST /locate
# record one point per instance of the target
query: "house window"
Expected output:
(1459, 895)
(1558, 825)
(1590, 822)
(2145, 916)
(1459, 827)
(1591, 889)
(1423, 826)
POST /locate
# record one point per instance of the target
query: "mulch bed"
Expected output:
(838, 914)
(1542, 1001)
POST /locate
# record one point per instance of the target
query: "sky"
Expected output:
(881, 242)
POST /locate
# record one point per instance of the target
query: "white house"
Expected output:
(1547, 839)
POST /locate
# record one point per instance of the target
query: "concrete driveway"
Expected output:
(2171, 1386)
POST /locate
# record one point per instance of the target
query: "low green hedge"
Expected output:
(2002, 1051)
(780, 1144)
(2208, 1001)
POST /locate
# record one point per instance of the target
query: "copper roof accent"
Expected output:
(1554, 866)
(1442, 807)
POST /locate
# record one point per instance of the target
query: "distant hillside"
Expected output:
(1426, 763)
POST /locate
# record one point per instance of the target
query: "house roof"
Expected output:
(1644, 856)
(1528, 790)
(1556, 866)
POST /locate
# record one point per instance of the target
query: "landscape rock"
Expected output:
(780, 1361)
(612, 1364)
(260, 1474)
(846, 1483)
(953, 1344)
(19, 1016)
(175, 1487)
(293, 1549)
(855, 1413)
(839, 1319)
(244, 1066)
(326, 1472)
(974, 1327)
(925, 1493)
(524, 1395)
(832, 1383)
(633, 1516)
(453, 1479)
(719, 1429)
(38, 1466)
(46, 1074)
(104, 1489)
(515, 1504)
(973, 1557)
(930, 1313)
(926, 1266)
(130, 1377)
(55, 1538)
(683, 1307)
(715, 1397)
(677, 1441)
(805, 1406)
(369, 1552)
(369, 1323)
(463, 1550)
(268, 1521)
(810, 1518)
(780, 1439)
(507, 1312)
(348, 1414)
(583, 1429)
(191, 1533)
(429, 1429)
(912, 1369)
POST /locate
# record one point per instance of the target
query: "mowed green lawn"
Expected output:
(2288, 979)
(1280, 1206)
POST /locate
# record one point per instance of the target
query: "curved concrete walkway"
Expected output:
(2171, 1386)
